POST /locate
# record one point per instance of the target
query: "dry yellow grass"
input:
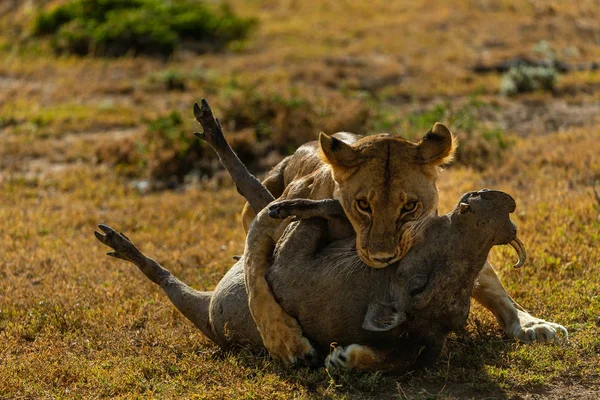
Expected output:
(75, 323)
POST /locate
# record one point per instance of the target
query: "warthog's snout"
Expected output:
(383, 317)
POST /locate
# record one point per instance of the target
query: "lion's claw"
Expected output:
(282, 336)
(531, 329)
(290, 347)
(338, 358)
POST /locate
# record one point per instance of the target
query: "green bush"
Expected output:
(172, 150)
(168, 152)
(261, 126)
(479, 146)
(154, 27)
(525, 78)
(289, 118)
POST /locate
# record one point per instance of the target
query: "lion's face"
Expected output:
(386, 186)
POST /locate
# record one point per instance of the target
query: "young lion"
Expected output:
(334, 175)
(385, 184)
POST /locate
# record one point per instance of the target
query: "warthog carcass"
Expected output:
(400, 315)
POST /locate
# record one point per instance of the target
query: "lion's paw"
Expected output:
(283, 339)
(531, 329)
(290, 348)
(339, 358)
(354, 356)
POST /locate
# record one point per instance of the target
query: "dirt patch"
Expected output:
(541, 117)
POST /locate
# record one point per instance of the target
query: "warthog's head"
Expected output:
(433, 283)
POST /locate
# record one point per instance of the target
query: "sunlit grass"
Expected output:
(77, 322)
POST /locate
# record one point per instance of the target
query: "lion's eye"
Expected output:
(363, 205)
(410, 206)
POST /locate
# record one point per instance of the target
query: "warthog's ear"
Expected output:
(501, 200)
(438, 146)
(337, 153)
(382, 317)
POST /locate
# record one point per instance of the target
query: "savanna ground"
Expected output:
(76, 149)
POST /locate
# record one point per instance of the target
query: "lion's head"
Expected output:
(387, 185)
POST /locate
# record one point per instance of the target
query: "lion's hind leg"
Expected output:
(512, 318)
(355, 356)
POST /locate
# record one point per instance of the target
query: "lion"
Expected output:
(385, 184)
(331, 169)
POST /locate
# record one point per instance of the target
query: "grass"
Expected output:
(75, 323)
(73, 319)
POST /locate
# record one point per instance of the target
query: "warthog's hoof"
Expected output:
(122, 246)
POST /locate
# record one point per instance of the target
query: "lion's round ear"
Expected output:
(438, 146)
(337, 153)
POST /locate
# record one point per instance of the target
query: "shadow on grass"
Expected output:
(461, 372)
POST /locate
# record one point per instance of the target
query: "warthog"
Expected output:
(381, 319)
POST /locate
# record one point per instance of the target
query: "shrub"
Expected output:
(168, 152)
(521, 79)
(154, 27)
(293, 118)
(171, 150)
(479, 146)
(261, 127)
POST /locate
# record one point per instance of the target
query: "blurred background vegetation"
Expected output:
(134, 67)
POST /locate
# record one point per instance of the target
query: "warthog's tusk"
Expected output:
(520, 248)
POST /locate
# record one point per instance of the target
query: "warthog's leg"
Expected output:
(274, 181)
(194, 305)
(304, 209)
(281, 334)
(257, 195)
(513, 319)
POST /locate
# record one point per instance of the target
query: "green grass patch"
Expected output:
(56, 120)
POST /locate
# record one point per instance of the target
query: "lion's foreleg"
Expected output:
(281, 334)
(512, 318)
